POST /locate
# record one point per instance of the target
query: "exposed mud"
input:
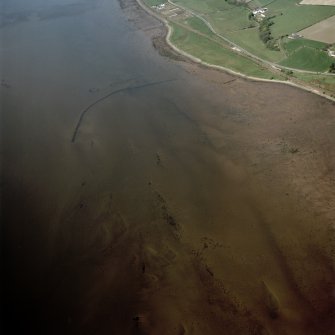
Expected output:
(204, 205)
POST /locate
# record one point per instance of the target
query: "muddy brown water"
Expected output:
(142, 195)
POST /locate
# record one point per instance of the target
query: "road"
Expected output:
(242, 50)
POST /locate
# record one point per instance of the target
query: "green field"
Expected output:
(259, 3)
(249, 40)
(323, 83)
(306, 55)
(307, 58)
(214, 53)
(291, 18)
(292, 45)
(207, 7)
(154, 2)
(233, 22)
(199, 25)
(233, 19)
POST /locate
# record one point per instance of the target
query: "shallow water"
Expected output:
(143, 195)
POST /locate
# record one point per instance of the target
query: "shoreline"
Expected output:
(218, 67)
(175, 210)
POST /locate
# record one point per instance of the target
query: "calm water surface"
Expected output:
(105, 228)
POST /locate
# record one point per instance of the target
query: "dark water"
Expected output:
(110, 183)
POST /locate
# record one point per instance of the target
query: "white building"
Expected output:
(259, 11)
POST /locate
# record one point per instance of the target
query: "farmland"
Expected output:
(307, 58)
(287, 17)
(305, 54)
(259, 38)
(322, 31)
(215, 53)
(318, 2)
(292, 18)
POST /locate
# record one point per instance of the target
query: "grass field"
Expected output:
(322, 31)
(214, 53)
(234, 23)
(249, 40)
(154, 2)
(291, 18)
(234, 19)
(206, 7)
(323, 83)
(307, 58)
(258, 3)
(199, 25)
(292, 45)
(306, 55)
(193, 35)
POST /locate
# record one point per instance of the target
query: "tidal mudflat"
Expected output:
(143, 194)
